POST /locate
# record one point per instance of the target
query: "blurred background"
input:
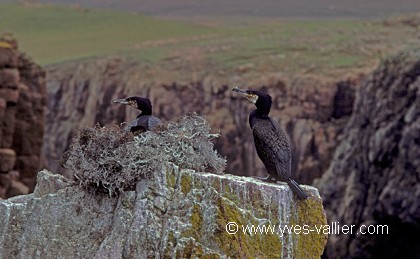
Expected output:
(62, 62)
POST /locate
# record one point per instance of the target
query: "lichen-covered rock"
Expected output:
(174, 214)
(48, 183)
(374, 176)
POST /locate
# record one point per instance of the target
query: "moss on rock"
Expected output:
(185, 183)
(310, 213)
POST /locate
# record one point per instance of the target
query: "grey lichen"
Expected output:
(113, 160)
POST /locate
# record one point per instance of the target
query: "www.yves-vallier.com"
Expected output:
(335, 228)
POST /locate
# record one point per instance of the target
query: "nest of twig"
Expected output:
(112, 159)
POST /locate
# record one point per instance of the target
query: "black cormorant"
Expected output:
(271, 142)
(144, 121)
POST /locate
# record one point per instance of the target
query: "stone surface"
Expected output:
(11, 186)
(2, 106)
(30, 119)
(22, 107)
(2, 113)
(8, 56)
(4, 185)
(177, 213)
(374, 176)
(7, 159)
(28, 164)
(10, 95)
(9, 78)
(17, 188)
(8, 127)
(344, 99)
(49, 183)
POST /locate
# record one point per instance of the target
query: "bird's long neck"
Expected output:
(263, 107)
(145, 111)
(256, 114)
(252, 117)
(263, 111)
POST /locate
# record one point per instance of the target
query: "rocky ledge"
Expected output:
(175, 213)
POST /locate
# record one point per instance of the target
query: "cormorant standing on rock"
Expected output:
(271, 142)
(144, 121)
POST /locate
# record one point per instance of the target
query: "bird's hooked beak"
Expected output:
(126, 102)
(121, 101)
(250, 96)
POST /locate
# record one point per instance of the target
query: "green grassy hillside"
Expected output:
(54, 34)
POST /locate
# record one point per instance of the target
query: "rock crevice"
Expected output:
(374, 176)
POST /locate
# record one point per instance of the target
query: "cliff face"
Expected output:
(374, 176)
(311, 109)
(22, 107)
(175, 213)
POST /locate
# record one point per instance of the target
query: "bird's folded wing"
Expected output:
(153, 122)
(273, 140)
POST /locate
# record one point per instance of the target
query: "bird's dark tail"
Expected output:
(296, 189)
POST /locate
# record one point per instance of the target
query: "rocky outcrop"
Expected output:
(22, 105)
(176, 213)
(374, 176)
(312, 109)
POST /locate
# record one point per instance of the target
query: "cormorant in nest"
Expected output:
(144, 121)
(271, 142)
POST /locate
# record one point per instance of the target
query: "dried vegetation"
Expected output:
(113, 160)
